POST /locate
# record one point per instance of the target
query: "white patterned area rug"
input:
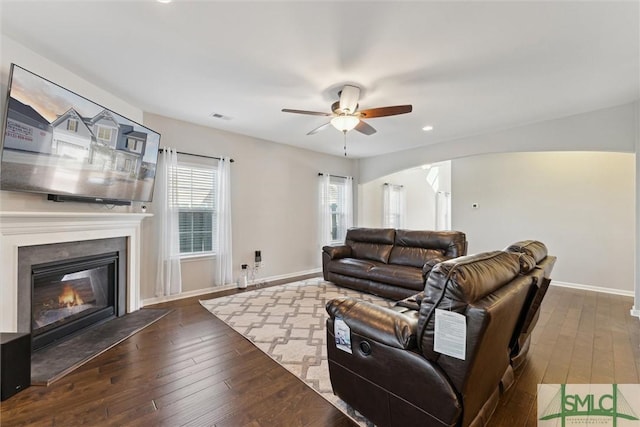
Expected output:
(287, 322)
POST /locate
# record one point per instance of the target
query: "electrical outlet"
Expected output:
(258, 259)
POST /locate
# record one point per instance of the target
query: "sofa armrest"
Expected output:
(376, 323)
(336, 252)
(426, 268)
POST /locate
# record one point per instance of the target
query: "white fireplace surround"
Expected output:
(18, 229)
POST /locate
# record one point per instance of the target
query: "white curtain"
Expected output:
(324, 211)
(224, 262)
(394, 214)
(169, 279)
(348, 204)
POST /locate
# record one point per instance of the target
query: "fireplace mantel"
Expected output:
(19, 229)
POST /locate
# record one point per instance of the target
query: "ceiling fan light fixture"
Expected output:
(345, 123)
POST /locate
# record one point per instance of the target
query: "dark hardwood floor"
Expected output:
(189, 368)
(581, 337)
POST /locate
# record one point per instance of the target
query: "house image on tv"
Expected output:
(130, 149)
(101, 141)
(26, 129)
(71, 136)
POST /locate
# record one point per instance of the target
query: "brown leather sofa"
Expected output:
(387, 262)
(394, 377)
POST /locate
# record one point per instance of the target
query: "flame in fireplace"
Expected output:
(69, 297)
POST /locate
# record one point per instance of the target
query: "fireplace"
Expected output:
(20, 230)
(67, 287)
(71, 295)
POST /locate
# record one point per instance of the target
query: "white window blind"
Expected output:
(337, 205)
(336, 201)
(195, 186)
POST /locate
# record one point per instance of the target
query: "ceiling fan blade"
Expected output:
(385, 111)
(319, 128)
(349, 98)
(365, 128)
(310, 113)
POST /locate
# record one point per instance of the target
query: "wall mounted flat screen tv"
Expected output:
(59, 143)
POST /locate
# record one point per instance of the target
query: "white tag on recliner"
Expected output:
(450, 334)
(342, 333)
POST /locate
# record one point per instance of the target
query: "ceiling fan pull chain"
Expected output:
(344, 132)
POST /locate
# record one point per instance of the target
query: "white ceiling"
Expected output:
(467, 67)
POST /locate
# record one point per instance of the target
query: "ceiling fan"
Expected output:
(346, 116)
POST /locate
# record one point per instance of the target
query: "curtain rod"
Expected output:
(337, 176)
(393, 185)
(198, 155)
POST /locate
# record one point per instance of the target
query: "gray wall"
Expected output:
(581, 205)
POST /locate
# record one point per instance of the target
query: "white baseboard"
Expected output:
(286, 276)
(204, 291)
(592, 288)
(634, 311)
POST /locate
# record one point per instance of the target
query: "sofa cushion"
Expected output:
(450, 243)
(371, 243)
(384, 236)
(352, 267)
(371, 251)
(398, 275)
(413, 257)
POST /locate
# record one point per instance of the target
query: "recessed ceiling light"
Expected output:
(427, 128)
(164, 1)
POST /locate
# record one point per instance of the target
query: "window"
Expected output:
(72, 125)
(195, 186)
(336, 203)
(104, 133)
(393, 215)
(132, 144)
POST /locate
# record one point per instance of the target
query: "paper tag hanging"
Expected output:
(450, 334)
(342, 333)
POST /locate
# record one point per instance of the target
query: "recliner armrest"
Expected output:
(376, 323)
(336, 252)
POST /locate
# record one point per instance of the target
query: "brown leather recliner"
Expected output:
(541, 273)
(387, 262)
(395, 378)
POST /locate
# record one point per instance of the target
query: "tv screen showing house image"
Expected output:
(58, 142)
